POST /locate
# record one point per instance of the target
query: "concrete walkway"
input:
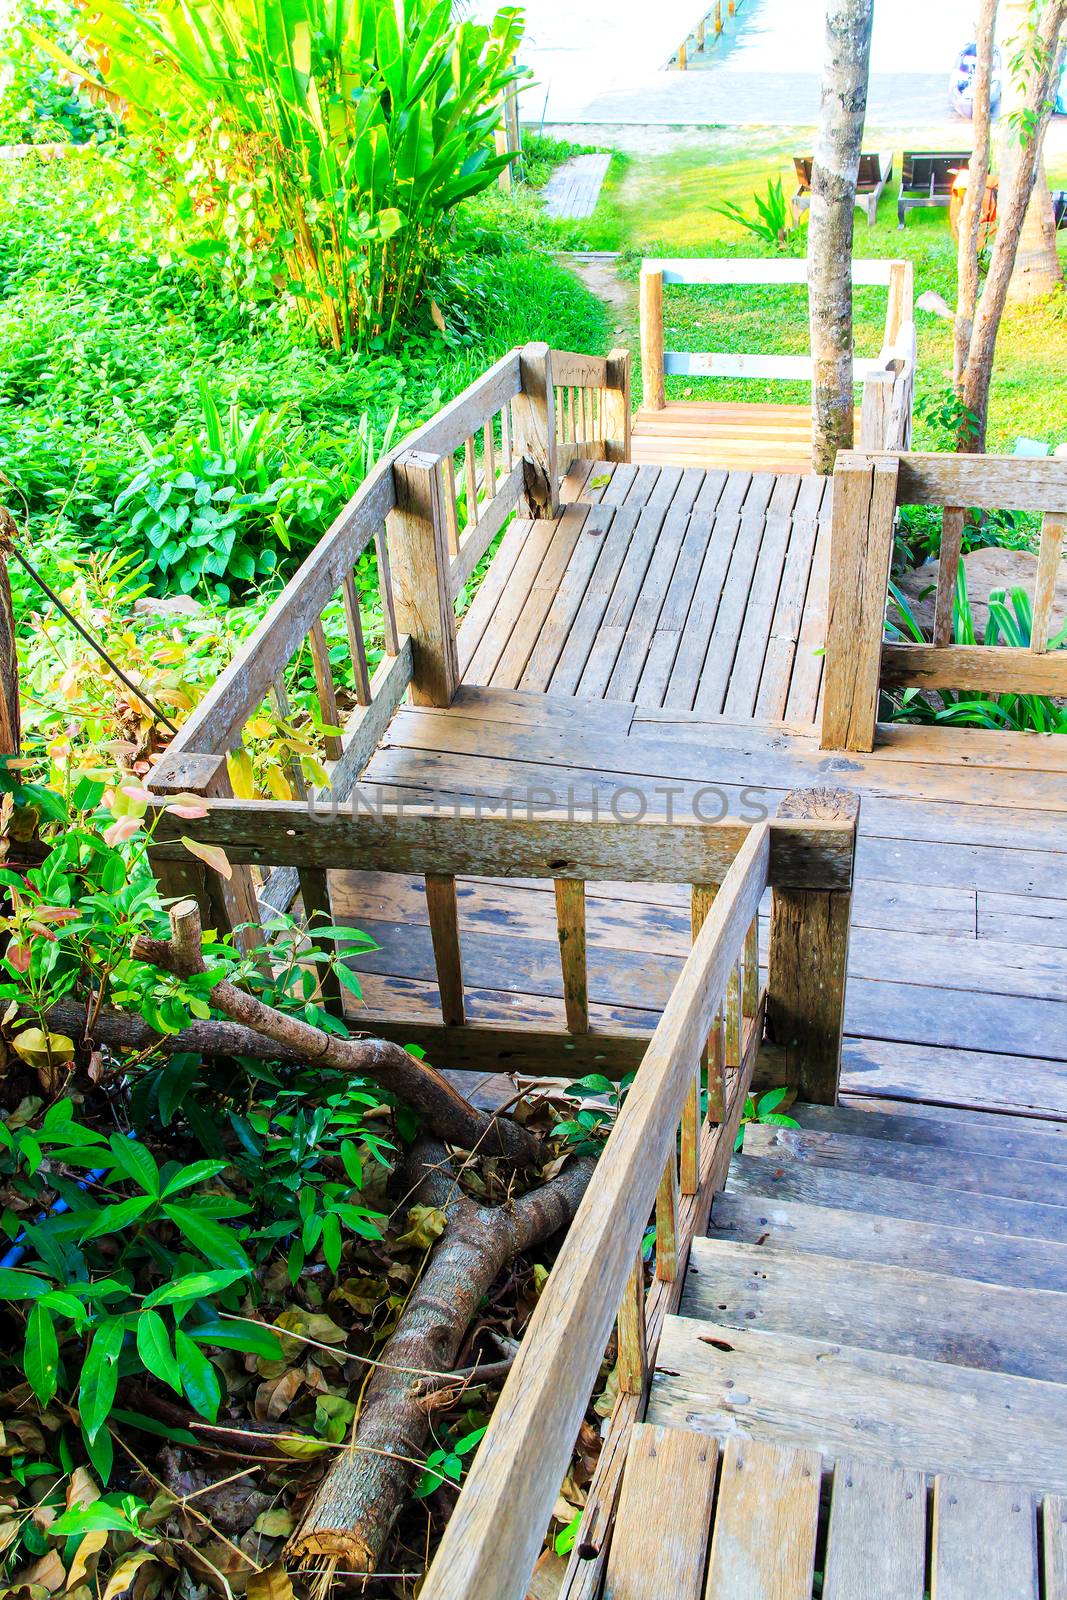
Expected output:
(605, 61)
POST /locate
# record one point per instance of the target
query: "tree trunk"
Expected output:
(1012, 202)
(971, 212)
(10, 725)
(1037, 268)
(353, 1511)
(833, 197)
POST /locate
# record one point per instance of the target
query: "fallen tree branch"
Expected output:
(444, 1109)
(353, 1511)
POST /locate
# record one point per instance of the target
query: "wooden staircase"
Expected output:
(864, 1391)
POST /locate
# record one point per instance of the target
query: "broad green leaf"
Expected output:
(194, 1286)
(99, 1378)
(153, 1347)
(210, 1238)
(41, 1354)
(199, 1378)
(136, 1162)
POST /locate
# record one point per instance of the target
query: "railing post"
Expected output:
(533, 415)
(876, 410)
(808, 963)
(653, 391)
(617, 407)
(422, 578)
(899, 304)
(861, 545)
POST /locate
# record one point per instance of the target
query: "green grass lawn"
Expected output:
(662, 201)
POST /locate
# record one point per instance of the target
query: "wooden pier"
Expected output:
(637, 812)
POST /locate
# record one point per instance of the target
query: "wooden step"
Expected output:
(765, 1534)
(898, 1310)
(1022, 1141)
(960, 1114)
(786, 1179)
(967, 1172)
(828, 1230)
(841, 1400)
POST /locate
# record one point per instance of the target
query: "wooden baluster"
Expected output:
(281, 700)
(327, 693)
(750, 997)
(356, 644)
(444, 931)
(690, 1147)
(471, 475)
(633, 1347)
(733, 1020)
(667, 1222)
(1048, 566)
(489, 452)
(703, 894)
(385, 589)
(947, 573)
(448, 476)
(505, 436)
(570, 925)
(570, 428)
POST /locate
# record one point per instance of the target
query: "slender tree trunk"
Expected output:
(978, 172)
(10, 724)
(1012, 202)
(833, 197)
(1037, 268)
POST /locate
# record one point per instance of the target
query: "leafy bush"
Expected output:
(38, 103)
(1009, 624)
(313, 152)
(773, 222)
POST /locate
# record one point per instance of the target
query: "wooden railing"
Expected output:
(887, 379)
(431, 508)
(662, 1157)
(859, 663)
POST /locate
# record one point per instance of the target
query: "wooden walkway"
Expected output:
(574, 188)
(642, 651)
(898, 1341)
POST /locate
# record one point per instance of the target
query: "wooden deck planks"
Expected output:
(766, 1523)
(876, 1544)
(905, 1412)
(664, 1516)
(984, 1541)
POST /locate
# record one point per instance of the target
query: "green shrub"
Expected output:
(312, 152)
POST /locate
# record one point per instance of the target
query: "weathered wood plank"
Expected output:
(420, 561)
(1054, 1546)
(876, 1545)
(1004, 483)
(766, 1521)
(570, 926)
(894, 1197)
(899, 1310)
(664, 1516)
(922, 1415)
(984, 1541)
(1009, 1176)
(862, 544)
(964, 1250)
(444, 928)
(995, 669)
(1024, 1140)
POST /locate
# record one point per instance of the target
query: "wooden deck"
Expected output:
(642, 651)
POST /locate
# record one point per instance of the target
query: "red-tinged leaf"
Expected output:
(212, 854)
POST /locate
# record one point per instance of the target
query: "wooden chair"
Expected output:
(875, 172)
(926, 179)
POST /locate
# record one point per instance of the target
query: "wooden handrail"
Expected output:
(494, 1534)
(868, 488)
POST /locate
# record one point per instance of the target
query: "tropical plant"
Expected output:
(315, 148)
(1010, 623)
(773, 221)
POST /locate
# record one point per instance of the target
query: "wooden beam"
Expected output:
(808, 964)
(1005, 483)
(618, 407)
(421, 568)
(1048, 567)
(861, 547)
(370, 834)
(484, 1047)
(948, 571)
(996, 669)
(444, 934)
(495, 1532)
(570, 925)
